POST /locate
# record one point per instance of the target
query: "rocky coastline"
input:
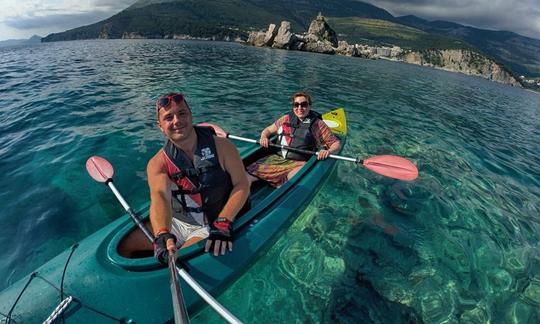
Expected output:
(321, 38)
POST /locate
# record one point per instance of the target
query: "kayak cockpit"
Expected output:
(130, 247)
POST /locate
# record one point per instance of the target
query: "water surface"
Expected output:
(459, 244)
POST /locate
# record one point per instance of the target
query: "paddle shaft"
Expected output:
(337, 157)
(228, 316)
(130, 211)
(391, 166)
(180, 311)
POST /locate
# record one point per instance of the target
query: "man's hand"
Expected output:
(221, 237)
(163, 244)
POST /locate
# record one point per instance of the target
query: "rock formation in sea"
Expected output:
(321, 38)
(285, 39)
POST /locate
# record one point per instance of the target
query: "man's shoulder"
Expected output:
(223, 145)
(221, 141)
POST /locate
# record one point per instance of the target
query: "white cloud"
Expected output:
(23, 18)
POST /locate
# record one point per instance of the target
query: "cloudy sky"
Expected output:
(519, 16)
(24, 18)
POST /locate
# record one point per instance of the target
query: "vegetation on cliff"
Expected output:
(383, 32)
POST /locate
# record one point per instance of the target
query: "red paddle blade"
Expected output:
(392, 166)
(219, 131)
(99, 168)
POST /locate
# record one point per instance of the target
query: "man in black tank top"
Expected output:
(197, 183)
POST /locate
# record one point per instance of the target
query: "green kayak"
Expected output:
(99, 285)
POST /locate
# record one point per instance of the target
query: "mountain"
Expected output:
(353, 20)
(12, 42)
(214, 18)
(518, 53)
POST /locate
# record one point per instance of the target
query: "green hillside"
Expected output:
(195, 18)
(382, 32)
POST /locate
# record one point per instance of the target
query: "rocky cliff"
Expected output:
(320, 38)
(462, 61)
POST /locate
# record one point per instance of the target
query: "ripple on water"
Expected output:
(456, 245)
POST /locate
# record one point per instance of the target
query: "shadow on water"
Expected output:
(42, 229)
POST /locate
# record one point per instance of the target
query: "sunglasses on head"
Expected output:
(303, 104)
(165, 101)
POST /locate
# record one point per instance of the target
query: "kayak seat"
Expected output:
(135, 245)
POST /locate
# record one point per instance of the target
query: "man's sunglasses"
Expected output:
(303, 104)
(165, 101)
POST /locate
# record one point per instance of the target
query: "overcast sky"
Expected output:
(519, 16)
(24, 18)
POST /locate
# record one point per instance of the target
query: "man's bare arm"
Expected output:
(160, 194)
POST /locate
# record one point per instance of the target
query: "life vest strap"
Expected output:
(185, 192)
(192, 172)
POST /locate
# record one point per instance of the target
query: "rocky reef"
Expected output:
(321, 38)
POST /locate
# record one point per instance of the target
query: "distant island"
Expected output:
(14, 42)
(435, 42)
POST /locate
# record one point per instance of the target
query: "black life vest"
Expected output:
(299, 134)
(203, 186)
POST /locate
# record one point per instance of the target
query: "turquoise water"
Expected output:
(459, 244)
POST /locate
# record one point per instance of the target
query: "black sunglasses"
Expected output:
(303, 104)
(165, 101)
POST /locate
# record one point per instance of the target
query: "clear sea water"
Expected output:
(459, 244)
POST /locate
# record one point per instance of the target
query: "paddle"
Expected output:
(102, 171)
(388, 165)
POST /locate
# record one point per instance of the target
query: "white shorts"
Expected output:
(184, 231)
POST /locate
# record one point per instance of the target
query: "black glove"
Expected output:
(160, 247)
(220, 230)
